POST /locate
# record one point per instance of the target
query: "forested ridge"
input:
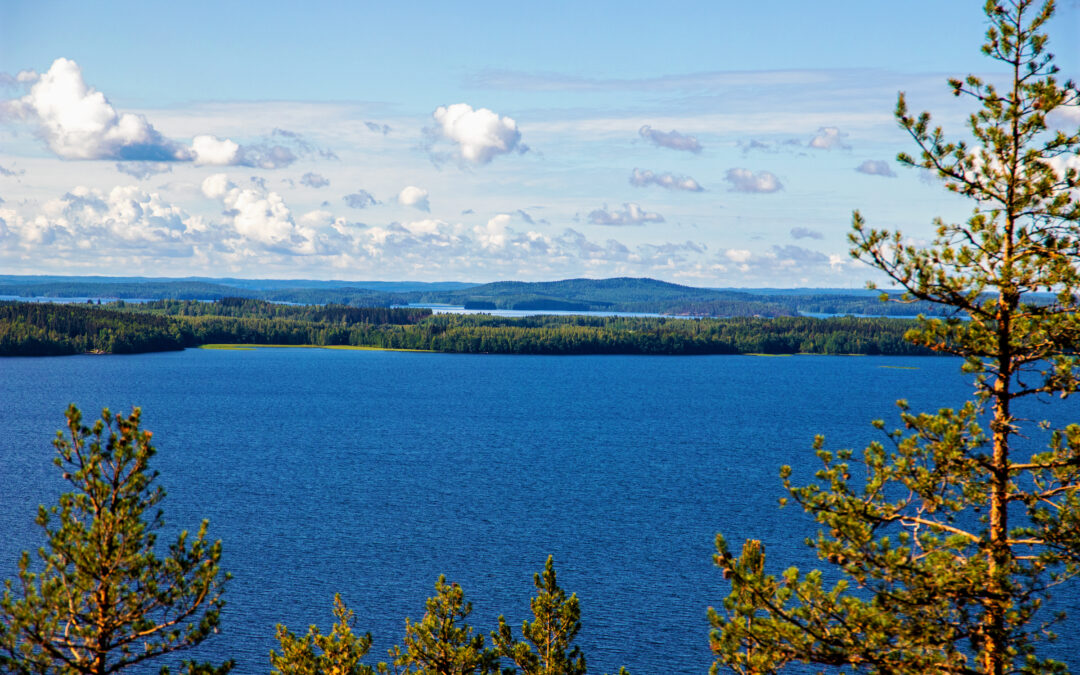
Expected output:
(32, 329)
(622, 294)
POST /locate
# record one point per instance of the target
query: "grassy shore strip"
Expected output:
(250, 347)
(776, 356)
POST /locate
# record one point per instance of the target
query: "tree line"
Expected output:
(46, 329)
(32, 329)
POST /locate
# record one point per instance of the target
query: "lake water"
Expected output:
(370, 473)
(518, 313)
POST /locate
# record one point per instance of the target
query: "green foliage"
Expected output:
(261, 309)
(338, 653)
(442, 643)
(945, 545)
(33, 329)
(104, 600)
(556, 622)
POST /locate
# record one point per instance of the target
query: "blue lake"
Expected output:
(459, 309)
(370, 473)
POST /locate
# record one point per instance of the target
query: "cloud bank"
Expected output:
(123, 218)
(254, 229)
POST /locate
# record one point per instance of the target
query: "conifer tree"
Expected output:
(103, 600)
(947, 541)
(338, 653)
(556, 622)
(442, 643)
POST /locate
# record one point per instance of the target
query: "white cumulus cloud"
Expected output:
(670, 139)
(78, 122)
(643, 178)
(480, 135)
(1066, 118)
(258, 215)
(738, 255)
(361, 199)
(631, 214)
(828, 138)
(876, 167)
(314, 180)
(214, 151)
(745, 180)
(806, 233)
(414, 197)
(495, 233)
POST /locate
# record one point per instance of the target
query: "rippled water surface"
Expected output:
(370, 473)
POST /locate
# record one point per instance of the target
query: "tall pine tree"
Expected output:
(103, 599)
(442, 643)
(555, 625)
(336, 653)
(947, 542)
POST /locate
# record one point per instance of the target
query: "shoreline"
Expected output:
(240, 347)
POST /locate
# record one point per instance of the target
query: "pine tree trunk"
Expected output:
(995, 655)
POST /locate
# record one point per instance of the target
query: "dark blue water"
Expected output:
(371, 473)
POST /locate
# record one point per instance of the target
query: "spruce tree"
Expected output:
(103, 600)
(556, 622)
(946, 540)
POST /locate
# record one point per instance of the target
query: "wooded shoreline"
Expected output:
(44, 329)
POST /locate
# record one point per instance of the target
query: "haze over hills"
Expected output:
(621, 294)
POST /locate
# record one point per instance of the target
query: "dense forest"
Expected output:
(619, 295)
(31, 329)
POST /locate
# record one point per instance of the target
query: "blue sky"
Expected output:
(707, 143)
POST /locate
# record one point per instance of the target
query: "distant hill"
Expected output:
(622, 294)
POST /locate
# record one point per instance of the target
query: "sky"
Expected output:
(719, 144)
